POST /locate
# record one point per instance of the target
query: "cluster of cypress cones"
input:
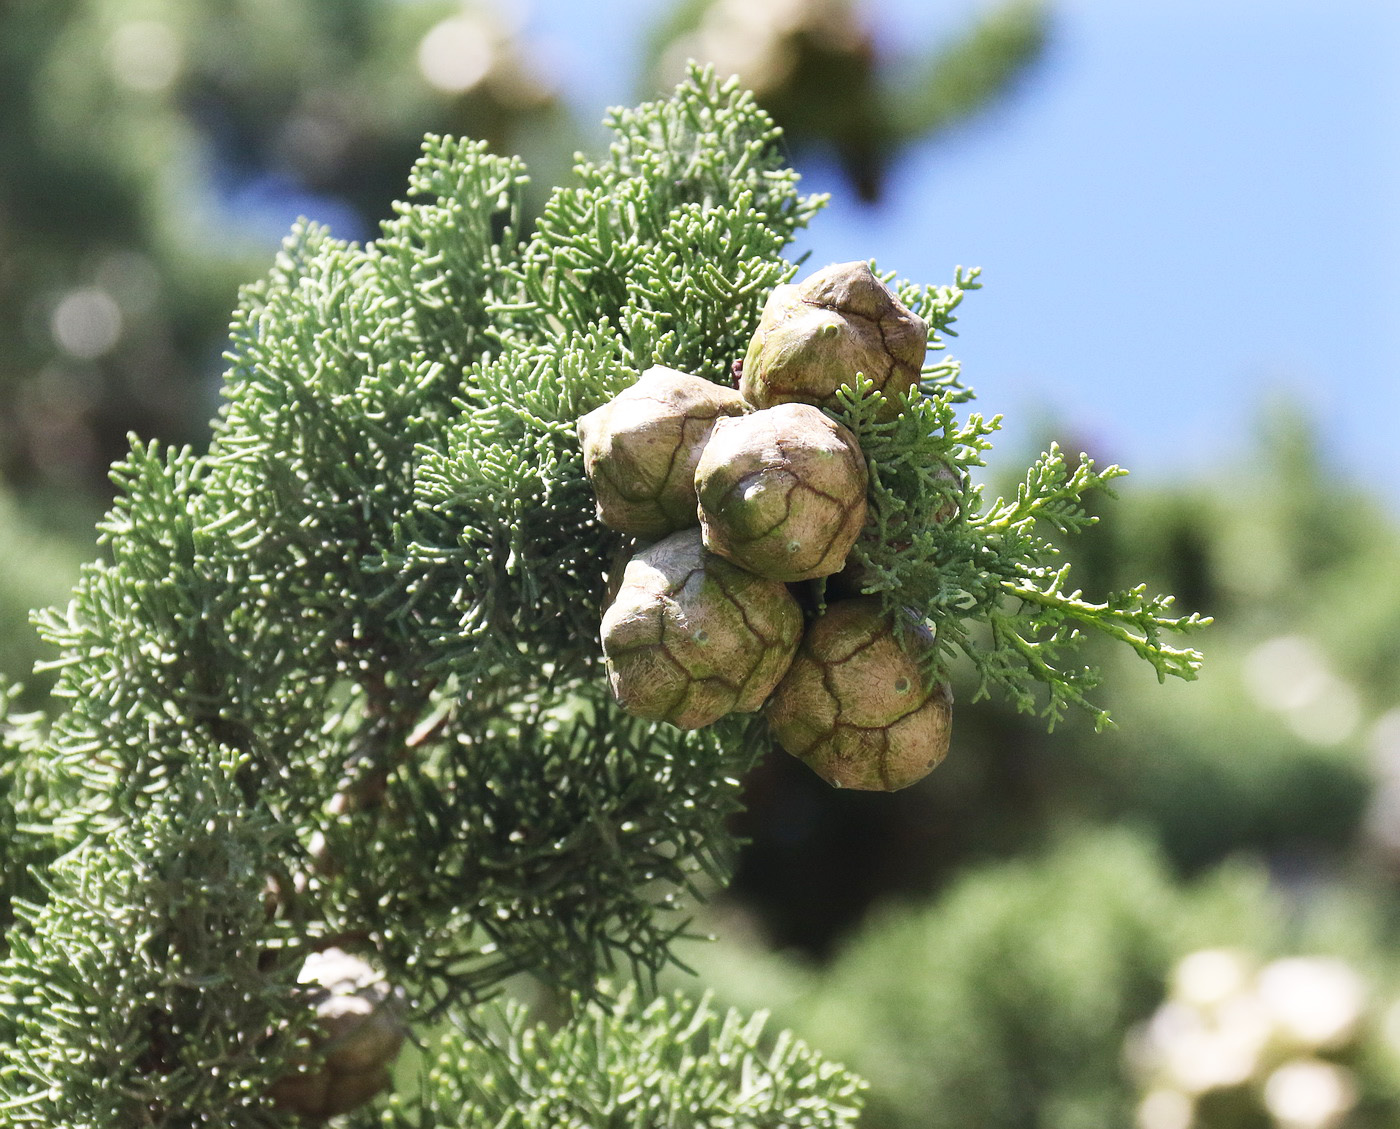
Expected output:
(733, 496)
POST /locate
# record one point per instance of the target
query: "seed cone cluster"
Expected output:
(735, 495)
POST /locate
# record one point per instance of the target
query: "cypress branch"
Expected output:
(338, 680)
(674, 1064)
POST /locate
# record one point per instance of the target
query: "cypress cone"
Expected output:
(782, 492)
(691, 637)
(640, 449)
(854, 705)
(814, 336)
(361, 1031)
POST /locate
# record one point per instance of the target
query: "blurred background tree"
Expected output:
(986, 946)
(152, 153)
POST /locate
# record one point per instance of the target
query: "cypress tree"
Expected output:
(336, 683)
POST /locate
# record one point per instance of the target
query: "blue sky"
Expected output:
(1190, 207)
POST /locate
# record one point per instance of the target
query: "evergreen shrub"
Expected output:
(336, 682)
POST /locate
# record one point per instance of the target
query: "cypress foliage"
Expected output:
(673, 1062)
(336, 682)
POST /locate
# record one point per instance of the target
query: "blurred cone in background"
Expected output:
(815, 65)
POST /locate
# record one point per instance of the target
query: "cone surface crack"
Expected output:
(682, 445)
(670, 593)
(763, 641)
(825, 670)
(666, 648)
(885, 348)
(835, 534)
(744, 615)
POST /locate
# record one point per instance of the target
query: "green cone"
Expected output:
(814, 336)
(782, 492)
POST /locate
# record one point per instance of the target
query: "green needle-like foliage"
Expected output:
(675, 1064)
(16, 796)
(139, 993)
(337, 682)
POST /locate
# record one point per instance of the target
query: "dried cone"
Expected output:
(782, 492)
(362, 1028)
(854, 706)
(640, 449)
(815, 336)
(690, 637)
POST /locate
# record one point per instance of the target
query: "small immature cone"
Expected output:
(362, 1028)
(854, 706)
(640, 449)
(782, 492)
(690, 637)
(814, 336)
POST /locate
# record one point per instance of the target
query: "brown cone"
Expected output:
(854, 706)
(361, 1031)
(640, 449)
(691, 637)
